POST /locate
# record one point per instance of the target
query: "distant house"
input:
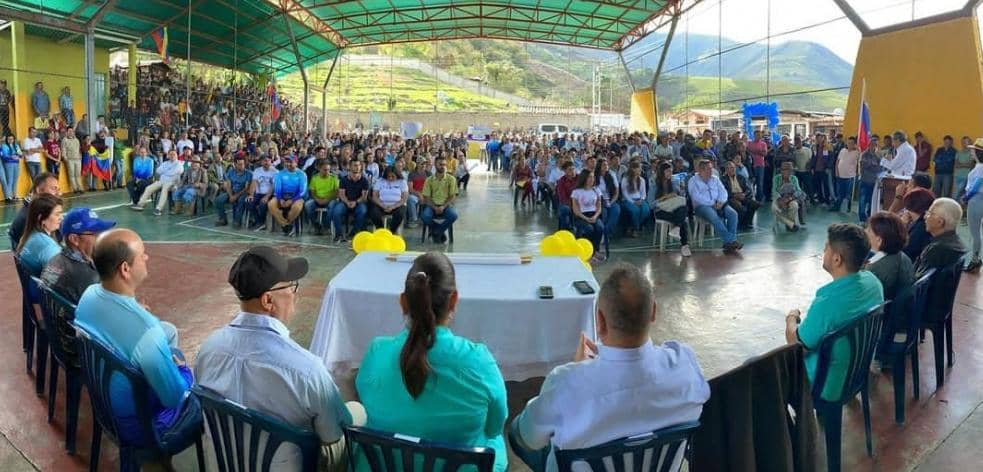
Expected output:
(791, 122)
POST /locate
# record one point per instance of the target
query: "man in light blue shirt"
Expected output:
(168, 177)
(625, 387)
(289, 191)
(109, 313)
(142, 175)
(253, 361)
(709, 199)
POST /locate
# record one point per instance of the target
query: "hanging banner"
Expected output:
(410, 129)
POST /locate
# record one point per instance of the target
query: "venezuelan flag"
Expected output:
(160, 39)
(100, 163)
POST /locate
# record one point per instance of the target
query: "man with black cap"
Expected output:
(253, 361)
(72, 271)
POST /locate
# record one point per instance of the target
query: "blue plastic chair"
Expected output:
(912, 302)
(388, 452)
(55, 307)
(100, 364)
(938, 318)
(227, 423)
(862, 335)
(664, 451)
(35, 342)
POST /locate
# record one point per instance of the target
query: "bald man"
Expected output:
(109, 312)
(625, 386)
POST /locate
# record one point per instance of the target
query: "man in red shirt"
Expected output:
(924, 152)
(52, 149)
(564, 187)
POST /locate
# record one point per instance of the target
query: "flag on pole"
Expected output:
(863, 131)
(160, 39)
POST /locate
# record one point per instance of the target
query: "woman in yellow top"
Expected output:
(427, 382)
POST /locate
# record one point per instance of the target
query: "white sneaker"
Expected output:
(685, 251)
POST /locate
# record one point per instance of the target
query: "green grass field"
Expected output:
(368, 89)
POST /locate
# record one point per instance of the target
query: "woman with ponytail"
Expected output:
(427, 382)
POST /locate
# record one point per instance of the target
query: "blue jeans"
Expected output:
(11, 173)
(724, 221)
(844, 189)
(759, 182)
(258, 209)
(566, 217)
(33, 169)
(412, 208)
(638, 213)
(612, 215)
(310, 208)
(238, 207)
(593, 232)
(340, 211)
(866, 197)
(438, 229)
(185, 194)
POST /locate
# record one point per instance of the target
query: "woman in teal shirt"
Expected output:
(37, 245)
(427, 382)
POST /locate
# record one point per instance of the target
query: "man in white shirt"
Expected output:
(31, 147)
(624, 387)
(168, 177)
(254, 363)
(184, 142)
(258, 198)
(709, 199)
(905, 157)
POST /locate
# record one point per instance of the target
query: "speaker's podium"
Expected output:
(885, 191)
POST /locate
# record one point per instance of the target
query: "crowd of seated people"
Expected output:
(102, 268)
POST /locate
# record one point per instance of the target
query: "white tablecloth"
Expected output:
(498, 306)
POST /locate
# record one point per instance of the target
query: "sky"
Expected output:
(747, 20)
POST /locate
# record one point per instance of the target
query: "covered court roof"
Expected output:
(252, 35)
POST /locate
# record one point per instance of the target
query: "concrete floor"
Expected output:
(727, 307)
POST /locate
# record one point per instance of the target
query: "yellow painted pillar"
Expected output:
(131, 75)
(21, 87)
(643, 112)
(924, 78)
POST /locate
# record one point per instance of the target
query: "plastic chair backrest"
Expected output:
(943, 288)
(100, 364)
(247, 440)
(917, 296)
(661, 451)
(861, 334)
(29, 289)
(54, 307)
(388, 452)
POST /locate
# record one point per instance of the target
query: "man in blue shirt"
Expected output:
(289, 190)
(142, 175)
(234, 191)
(709, 199)
(109, 313)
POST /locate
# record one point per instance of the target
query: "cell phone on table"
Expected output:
(545, 292)
(583, 287)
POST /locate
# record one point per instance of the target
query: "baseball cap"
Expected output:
(83, 220)
(257, 270)
(978, 144)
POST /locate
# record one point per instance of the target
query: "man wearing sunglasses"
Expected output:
(253, 361)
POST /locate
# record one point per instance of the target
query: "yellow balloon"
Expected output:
(382, 232)
(397, 244)
(586, 248)
(550, 246)
(565, 236)
(360, 241)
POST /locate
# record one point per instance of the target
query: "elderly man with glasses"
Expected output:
(253, 361)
